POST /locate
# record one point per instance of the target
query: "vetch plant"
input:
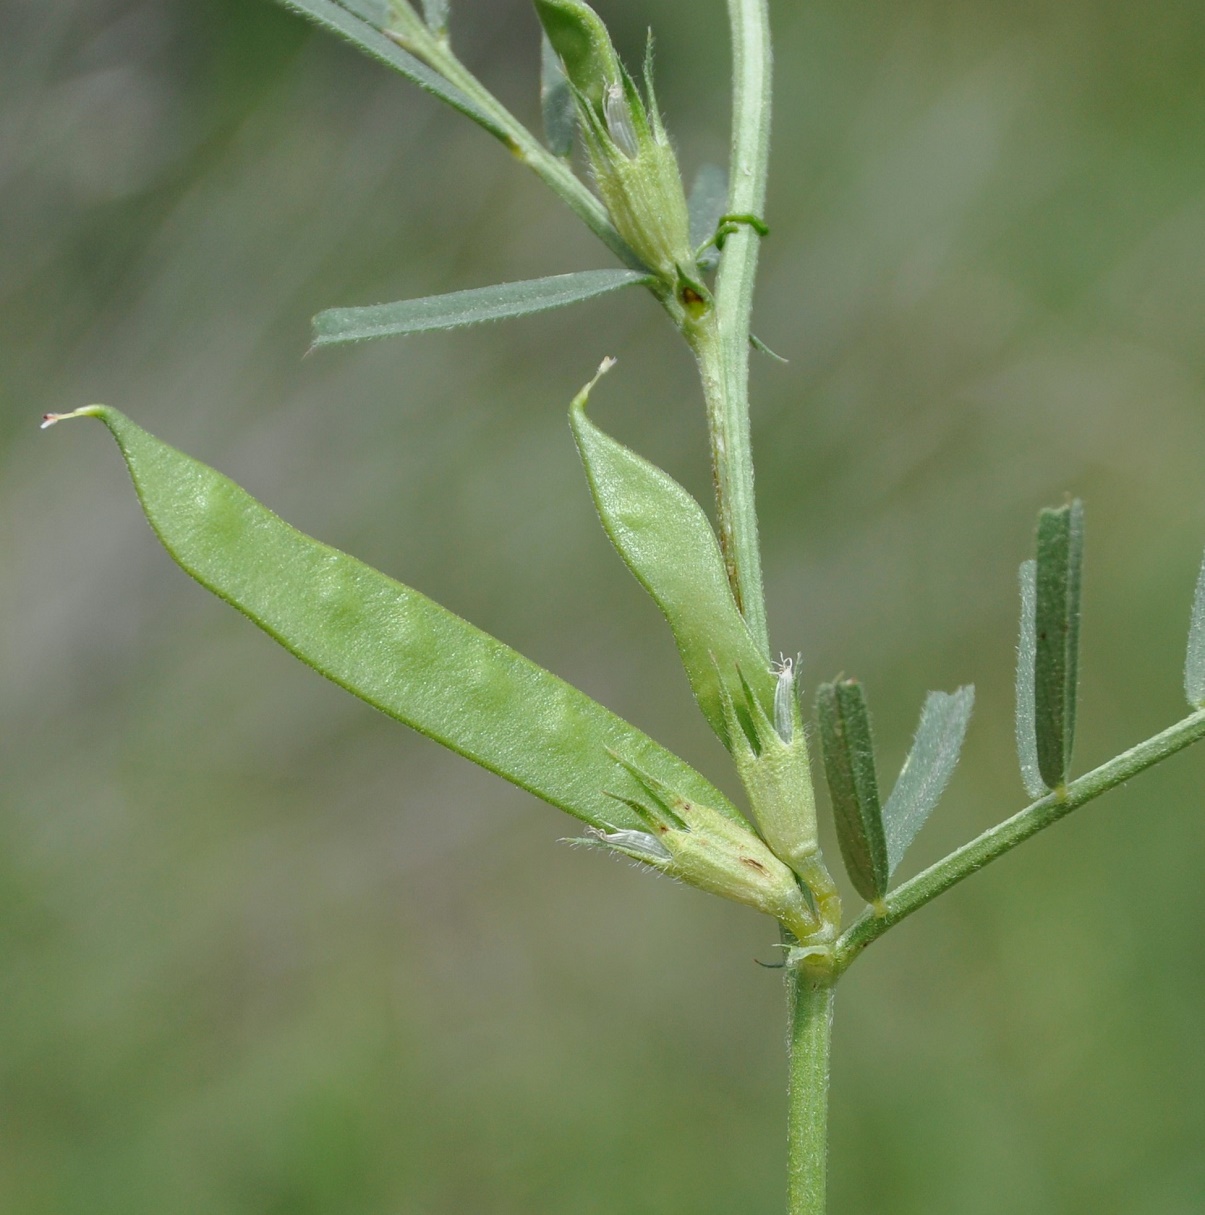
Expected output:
(697, 253)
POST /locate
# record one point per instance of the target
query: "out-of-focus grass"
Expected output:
(262, 951)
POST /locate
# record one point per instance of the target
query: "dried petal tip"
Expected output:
(639, 845)
(88, 411)
(784, 698)
(619, 121)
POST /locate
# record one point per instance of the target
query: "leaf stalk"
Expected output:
(995, 842)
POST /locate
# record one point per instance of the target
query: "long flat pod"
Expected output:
(393, 647)
(666, 540)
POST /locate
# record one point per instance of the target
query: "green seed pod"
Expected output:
(581, 40)
(391, 646)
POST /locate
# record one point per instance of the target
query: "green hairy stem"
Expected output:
(728, 397)
(810, 999)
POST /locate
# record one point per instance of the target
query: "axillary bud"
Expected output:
(629, 151)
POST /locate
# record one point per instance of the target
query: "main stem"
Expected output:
(811, 1005)
(722, 349)
(723, 353)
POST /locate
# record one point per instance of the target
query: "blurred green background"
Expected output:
(264, 952)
